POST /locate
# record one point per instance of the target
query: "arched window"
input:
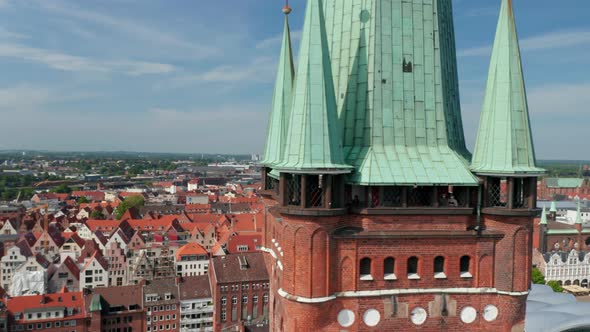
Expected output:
(365, 268)
(465, 266)
(389, 268)
(439, 267)
(413, 268)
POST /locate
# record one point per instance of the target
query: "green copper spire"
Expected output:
(543, 217)
(553, 207)
(579, 213)
(281, 105)
(313, 140)
(395, 74)
(504, 143)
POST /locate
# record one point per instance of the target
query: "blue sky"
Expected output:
(197, 76)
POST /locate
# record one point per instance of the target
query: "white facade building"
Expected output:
(196, 304)
(8, 265)
(571, 268)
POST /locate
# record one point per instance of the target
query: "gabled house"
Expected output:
(72, 246)
(12, 259)
(10, 227)
(94, 273)
(49, 243)
(82, 230)
(66, 275)
(117, 260)
(140, 268)
(31, 277)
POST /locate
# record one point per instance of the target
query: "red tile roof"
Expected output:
(192, 248)
(72, 266)
(102, 225)
(250, 240)
(21, 304)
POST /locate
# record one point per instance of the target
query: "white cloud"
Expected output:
(259, 70)
(26, 97)
(559, 100)
(132, 28)
(276, 40)
(66, 62)
(551, 40)
(5, 34)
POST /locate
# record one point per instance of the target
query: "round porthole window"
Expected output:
(346, 318)
(418, 316)
(490, 313)
(468, 315)
(371, 317)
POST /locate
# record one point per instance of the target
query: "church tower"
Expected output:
(378, 218)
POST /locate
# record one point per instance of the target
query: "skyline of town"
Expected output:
(89, 69)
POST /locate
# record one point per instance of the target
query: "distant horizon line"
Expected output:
(3, 151)
(124, 152)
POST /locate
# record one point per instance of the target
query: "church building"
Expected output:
(377, 217)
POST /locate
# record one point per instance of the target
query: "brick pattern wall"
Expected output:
(316, 264)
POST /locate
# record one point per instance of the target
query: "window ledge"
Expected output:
(390, 276)
(367, 277)
(413, 276)
(466, 275)
(440, 275)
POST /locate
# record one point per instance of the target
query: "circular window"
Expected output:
(490, 313)
(372, 317)
(418, 316)
(468, 315)
(346, 318)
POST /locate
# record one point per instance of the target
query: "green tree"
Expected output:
(538, 277)
(62, 189)
(555, 285)
(83, 200)
(97, 215)
(134, 201)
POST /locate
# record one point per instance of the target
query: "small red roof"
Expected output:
(20, 304)
(192, 248)
(102, 225)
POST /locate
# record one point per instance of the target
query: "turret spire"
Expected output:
(313, 139)
(504, 142)
(281, 105)
(579, 213)
(543, 217)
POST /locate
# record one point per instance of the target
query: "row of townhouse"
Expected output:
(172, 304)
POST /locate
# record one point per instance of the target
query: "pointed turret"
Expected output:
(553, 208)
(504, 143)
(504, 153)
(579, 213)
(543, 217)
(313, 140)
(281, 105)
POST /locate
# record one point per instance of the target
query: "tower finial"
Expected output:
(287, 9)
